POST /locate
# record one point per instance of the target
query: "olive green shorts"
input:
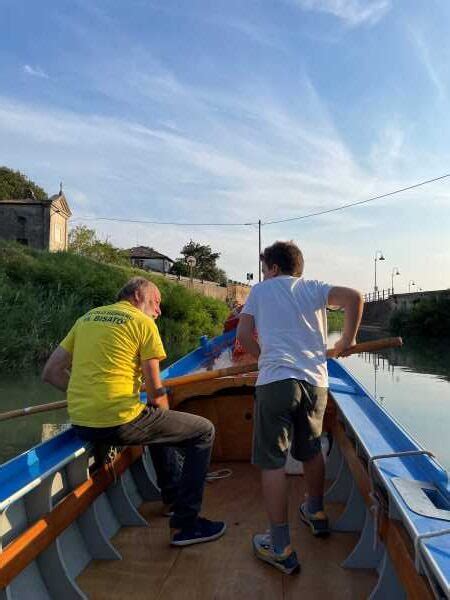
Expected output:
(287, 412)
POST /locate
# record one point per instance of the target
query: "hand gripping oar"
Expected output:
(372, 346)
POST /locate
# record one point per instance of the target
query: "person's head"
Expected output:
(282, 258)
(142, 294)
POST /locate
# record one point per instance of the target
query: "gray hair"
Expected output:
(133, 285)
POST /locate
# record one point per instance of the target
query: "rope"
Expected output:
(220, 474)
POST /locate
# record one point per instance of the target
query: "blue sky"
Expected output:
(234, 111)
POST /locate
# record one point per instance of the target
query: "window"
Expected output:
(21, 229)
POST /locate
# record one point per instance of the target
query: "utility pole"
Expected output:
(259, 248)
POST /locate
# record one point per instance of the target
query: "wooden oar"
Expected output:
(372, 346)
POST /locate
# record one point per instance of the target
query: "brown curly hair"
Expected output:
(286, 255)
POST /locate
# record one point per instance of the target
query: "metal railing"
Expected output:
(378, 295)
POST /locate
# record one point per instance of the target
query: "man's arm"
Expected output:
(244, 335)
(150, 369)
(352, 303)
(57, 369)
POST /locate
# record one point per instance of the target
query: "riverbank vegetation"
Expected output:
(43, 293)
(428, 317)
(335, 319)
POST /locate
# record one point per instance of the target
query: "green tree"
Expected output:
(84, 241)
(16, 186)
(206, 267)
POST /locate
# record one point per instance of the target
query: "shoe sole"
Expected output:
(210, 538)
(315, 532)
(267, 560)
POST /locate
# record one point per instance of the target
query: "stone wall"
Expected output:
(207, 288)
(24, 222)
(378, 313)
(237, 292)
(234, 292)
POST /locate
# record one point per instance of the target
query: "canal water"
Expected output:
(412, 383)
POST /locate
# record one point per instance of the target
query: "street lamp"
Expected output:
(191, 261)
(381, 257)
(395, 271)
(410, 283)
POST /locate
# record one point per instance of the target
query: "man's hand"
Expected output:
(342, 345)
(161, 402)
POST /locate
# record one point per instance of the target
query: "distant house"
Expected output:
(41, 224)
(147, 258)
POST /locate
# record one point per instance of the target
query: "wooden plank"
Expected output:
(392, 533)
(26, 547)
(208, 388)
(232, 417)
(226, 569)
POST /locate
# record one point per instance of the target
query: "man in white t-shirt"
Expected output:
(289, 314)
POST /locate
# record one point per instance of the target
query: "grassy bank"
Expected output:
(430, 318)
(42, 294)
(335, 319)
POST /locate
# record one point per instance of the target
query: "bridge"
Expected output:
(380, 306)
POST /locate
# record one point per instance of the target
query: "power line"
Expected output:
(145, 222)
(324, 212)
(252, 223)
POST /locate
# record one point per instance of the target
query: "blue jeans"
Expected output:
(167, 432)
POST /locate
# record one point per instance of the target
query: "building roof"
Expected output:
(58, 202)
(146, 252)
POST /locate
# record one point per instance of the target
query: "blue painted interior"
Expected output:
(201, 356)
(378, 433)
(37, 462)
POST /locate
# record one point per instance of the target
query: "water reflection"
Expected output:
(17, 392)
(428, 356)
(413, 384)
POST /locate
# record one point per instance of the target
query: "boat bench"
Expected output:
(416, 485)
(35, 489)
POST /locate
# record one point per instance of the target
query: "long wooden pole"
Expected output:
(372, 346)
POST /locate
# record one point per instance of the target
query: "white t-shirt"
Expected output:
(291, 320)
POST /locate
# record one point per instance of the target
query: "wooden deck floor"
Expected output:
(226, 569)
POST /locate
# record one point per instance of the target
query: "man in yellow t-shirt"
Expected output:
(100, 364)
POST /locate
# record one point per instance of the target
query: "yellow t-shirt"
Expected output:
(107, 345)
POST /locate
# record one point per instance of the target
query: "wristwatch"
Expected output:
(161, 391)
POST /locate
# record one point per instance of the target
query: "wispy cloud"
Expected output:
(35, 72)
(352, 12)
(428, 63)
(160, 172)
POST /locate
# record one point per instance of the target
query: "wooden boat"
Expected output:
(71, 528)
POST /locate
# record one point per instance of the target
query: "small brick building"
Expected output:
(41, 224)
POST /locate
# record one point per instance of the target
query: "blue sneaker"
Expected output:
(318, 522)
(287, 562)
(202, 531)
